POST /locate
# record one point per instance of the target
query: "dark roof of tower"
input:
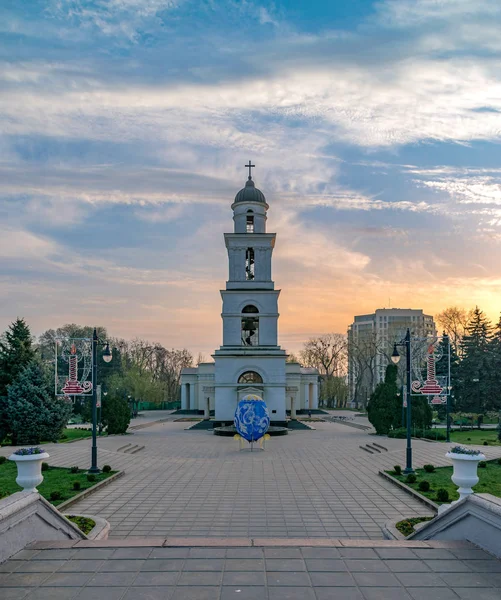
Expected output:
(250, 193)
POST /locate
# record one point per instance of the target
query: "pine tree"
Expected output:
(384, 409)
(474, 373)
(16, 353)
(494, 398)
(33, 413)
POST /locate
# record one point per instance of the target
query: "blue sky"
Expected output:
(125, 126)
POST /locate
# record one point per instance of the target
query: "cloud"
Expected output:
(24, 245)
(126, 124)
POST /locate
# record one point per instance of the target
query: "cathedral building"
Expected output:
(250, 359)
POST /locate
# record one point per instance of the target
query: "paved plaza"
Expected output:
(309, 484)
(344, 570)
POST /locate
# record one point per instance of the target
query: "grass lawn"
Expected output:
(74, 434)
(69, 435)
(476, 436)
(56, 479)
(490, 481)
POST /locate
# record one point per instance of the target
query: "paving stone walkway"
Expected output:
(308, 484)
(342, 571)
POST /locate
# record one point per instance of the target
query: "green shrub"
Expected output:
(442, 495)
(2, 459)
(424, 486)
(486, 443)
(77, 485)
(383, 409)
(74, 470)
(106, 469)
(482, 464)
(91, 477)
(434, 434)
(399, 434)
(411, 478)
(116, 415)
(45, 466)
(429, 468)
(499, 461)
(397, 469)
(56, 495)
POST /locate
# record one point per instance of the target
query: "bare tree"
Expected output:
(363, 352)
(328, 353)
(454, 321)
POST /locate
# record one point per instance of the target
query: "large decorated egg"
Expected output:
(252, 418)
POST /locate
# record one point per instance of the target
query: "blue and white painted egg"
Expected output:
(252, 418)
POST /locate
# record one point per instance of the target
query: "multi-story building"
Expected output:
(370, 344)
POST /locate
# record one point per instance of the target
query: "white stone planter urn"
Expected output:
(29, 469)
(465, 466)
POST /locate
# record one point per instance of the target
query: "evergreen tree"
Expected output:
(474, 373)
(384, 409)
(16, 352)
(116, 413)
(421, 413)
(34, 413)
(494, 397)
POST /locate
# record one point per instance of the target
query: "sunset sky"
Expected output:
(125, 125)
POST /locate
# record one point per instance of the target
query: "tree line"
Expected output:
(30, 412)
(475, 367)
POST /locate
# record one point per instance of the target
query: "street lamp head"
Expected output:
(395, 357)
(107, 356)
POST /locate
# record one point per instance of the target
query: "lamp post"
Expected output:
(395, 357)
(107, 356)
(101, 413)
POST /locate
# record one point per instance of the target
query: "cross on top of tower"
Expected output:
(250, 166)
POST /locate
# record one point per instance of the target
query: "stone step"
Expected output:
(214, 542)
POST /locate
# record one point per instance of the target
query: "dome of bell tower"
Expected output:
(250, 193)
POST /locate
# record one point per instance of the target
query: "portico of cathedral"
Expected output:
(250, 359)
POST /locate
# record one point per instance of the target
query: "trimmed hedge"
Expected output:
(428, 434)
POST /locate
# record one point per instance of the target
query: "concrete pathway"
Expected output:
(309, 484)
(250, 570)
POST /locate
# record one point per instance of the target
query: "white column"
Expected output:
(207, 409)
(293, 408)
(183, 397)
(315, 395)
(193, 403)
(306, 396)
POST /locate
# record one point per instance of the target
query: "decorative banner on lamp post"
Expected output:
(437, 399)
(73, 367)
(427, 356)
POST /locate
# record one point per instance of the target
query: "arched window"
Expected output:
(250, 309)
(250, 222)
(250, 377)
(250, 326)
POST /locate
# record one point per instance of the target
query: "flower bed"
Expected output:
(406, 527)
(83, 523)
(58, 482)
(440, 479)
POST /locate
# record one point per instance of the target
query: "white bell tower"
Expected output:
(249, 358)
